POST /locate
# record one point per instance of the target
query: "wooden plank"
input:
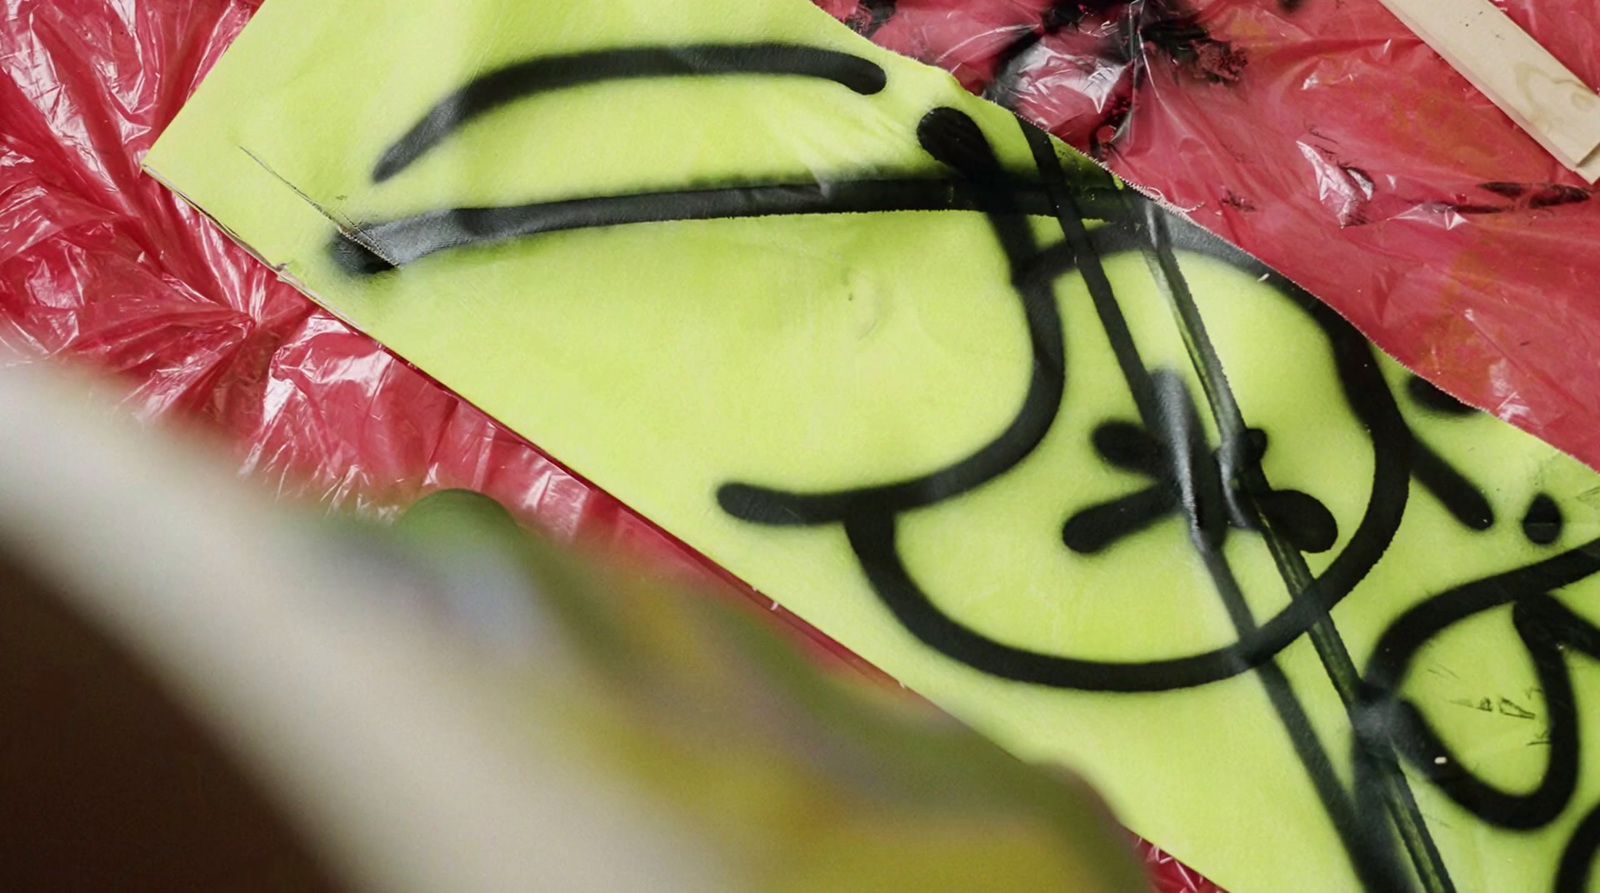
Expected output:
(1515, 72)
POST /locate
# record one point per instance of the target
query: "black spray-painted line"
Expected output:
(495, 89)
(410, 239)
(1458, 495)
(1302, 519)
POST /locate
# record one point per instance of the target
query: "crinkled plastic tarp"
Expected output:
(1319, 135)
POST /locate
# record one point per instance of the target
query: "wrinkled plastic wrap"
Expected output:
(1324, 139)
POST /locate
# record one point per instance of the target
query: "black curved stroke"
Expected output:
(952, 138)
(490, 91)
(1548, 631)
(1577, 860)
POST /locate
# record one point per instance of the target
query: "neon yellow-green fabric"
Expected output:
(1109, 491)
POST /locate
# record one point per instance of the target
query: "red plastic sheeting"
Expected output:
(100, 263)
(1323, 139)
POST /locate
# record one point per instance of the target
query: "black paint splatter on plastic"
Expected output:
(1134, 30)
(871, 15)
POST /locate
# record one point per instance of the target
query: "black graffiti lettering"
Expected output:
(1214, 489)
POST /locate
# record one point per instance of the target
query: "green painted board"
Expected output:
(1112, 492)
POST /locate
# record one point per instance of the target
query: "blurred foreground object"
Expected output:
(200, 692)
